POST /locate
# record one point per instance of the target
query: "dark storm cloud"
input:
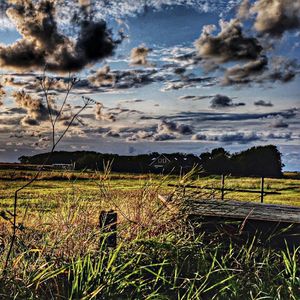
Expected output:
(222, 101)
(184, 129)
(164, 130)
(274, 17)
(43, 45)
(229, 44)
(166, 126)
(279, 69)
(263, 103)
(244, 73)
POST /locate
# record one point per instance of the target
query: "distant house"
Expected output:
(160, 162)
(174, 163)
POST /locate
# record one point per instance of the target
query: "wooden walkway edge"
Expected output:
(242, 210)
(273, 225)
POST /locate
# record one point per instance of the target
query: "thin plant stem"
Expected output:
(87, 101)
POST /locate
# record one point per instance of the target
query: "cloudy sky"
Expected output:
(169, 76)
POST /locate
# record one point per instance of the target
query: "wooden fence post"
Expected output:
(262, 190)
(222, 186)
(108, 225)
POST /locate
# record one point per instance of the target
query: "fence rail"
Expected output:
(223, 189)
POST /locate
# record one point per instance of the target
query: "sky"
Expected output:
(167, 76)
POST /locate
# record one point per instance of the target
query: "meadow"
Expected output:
(60, 251)
(43, 194)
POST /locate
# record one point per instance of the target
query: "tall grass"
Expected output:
(58, 255)
(165, 267)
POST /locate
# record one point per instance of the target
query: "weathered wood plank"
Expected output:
(271, 225)
(241, 210)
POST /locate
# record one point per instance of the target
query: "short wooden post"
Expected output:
(222, 186)
(108, 225)
(262, 190)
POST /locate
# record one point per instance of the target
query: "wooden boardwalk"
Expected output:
(274, 225)
(243, 210)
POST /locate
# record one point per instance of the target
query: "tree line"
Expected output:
(256, 161)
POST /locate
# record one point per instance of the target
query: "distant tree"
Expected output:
(205, 156)
(87, 161)
(258, 161)
(219, 152)
(24, 159)
(216, 162)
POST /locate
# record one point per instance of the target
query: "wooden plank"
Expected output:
(242, 210)
(270, 225)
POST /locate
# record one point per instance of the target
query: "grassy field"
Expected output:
(57, 254)
(51, 186)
